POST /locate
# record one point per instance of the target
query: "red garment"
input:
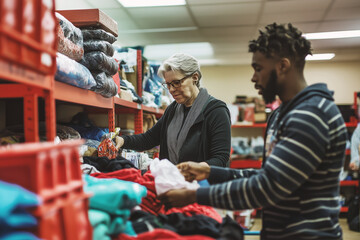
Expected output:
(194, 209)
(162, 234)
(150, 203)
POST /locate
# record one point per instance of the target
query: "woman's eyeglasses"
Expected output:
(176, 83)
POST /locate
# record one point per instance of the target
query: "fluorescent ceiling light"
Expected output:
(156, 30)
(332, 35)
(163, 51)
(151, 3)
(320, 56)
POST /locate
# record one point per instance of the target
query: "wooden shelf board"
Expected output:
(125, 103)
(153, 110)
(17, 73)
(69, 93)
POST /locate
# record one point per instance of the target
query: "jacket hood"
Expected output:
(318, 89)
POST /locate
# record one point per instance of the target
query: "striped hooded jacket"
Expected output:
(298, 185)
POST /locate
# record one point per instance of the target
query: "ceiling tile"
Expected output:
(227, 31)
(227, 14)
(122, 19)
(346, 3)
(290, 17)
(343, 13)
(202, 2)
(328, 26)
(105, 4)
(161, 17)
(306, 27)
(295, 6)
(335, 43)
(78, 4)
(175, 37)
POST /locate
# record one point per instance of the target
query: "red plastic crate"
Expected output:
(28, 34)
(64, 218)
(51, 224)
(76, 220)
(46, 169)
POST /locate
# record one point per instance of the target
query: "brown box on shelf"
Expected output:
(89, 18)
(132, 77)
(126, 121)
(260, 117)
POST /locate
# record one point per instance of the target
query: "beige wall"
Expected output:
(225, 82)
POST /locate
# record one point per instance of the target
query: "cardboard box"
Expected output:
(132, 77)
(126, 121)
(260, 117)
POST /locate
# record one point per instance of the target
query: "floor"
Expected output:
(347, 234)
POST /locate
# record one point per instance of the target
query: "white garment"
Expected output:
(167, 177)
(355, 143)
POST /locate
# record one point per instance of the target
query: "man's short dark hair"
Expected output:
(280, 41)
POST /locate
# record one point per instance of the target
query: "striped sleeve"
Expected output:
(299, 151)
(220, 175)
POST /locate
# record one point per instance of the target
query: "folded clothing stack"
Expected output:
(13, 215)
(98, 59)
(71, 50)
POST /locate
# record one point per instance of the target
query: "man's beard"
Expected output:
(269, 92)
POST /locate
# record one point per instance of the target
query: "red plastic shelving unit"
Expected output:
(27, 61)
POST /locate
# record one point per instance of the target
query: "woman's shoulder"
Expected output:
(214, 102)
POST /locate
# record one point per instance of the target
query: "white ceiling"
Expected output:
(228, 25)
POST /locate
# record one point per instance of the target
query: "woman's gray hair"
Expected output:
(183, 63)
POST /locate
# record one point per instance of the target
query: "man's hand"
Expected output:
(194, 171)
(353, 166)
(119, 142)
(178, 198)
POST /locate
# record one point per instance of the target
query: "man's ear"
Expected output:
(284, 65)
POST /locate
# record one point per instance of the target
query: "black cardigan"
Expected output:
(208, 140)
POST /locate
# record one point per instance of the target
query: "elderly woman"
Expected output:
(195, 127)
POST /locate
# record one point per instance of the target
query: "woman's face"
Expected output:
(187, 91)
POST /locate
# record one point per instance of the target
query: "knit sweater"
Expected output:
(208, 140)
(298, 185)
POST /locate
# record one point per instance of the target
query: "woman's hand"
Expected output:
(194, 171)
(119, 142)
(178, 198)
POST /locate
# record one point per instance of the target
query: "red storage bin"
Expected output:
(46, 169)
(64, 218)
(51, 224)
(28, 34)
(75, 215)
